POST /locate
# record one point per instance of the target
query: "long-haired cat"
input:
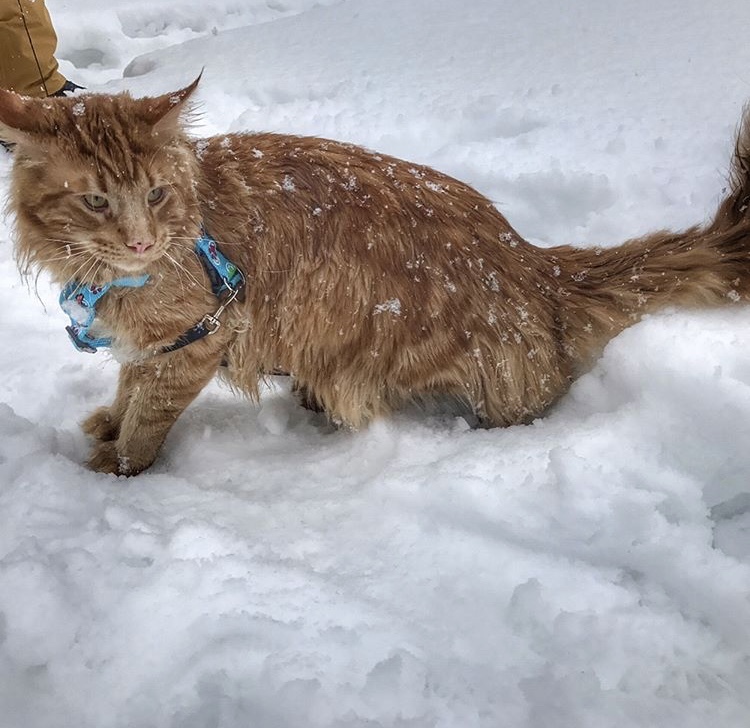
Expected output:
(373, 281)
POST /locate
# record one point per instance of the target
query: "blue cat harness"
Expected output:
(79, 300)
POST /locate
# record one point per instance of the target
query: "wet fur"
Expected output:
(372, 280)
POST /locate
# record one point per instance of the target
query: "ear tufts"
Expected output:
(19, 116)
(164, 112)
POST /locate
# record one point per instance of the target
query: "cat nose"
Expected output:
(139, 246)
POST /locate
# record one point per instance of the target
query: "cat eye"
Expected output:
(97, 203)
(156, 195)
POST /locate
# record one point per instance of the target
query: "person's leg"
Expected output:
(27, 49)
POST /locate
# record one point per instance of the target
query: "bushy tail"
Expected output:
(603, 291)
(735, 208)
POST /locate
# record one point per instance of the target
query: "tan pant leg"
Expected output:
(20, 70)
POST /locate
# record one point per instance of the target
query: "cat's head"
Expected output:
(102, 185)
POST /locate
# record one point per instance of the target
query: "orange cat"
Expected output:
(373, 281)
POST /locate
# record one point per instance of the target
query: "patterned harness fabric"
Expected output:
(79, 300)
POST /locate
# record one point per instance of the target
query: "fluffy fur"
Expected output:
(373, 281)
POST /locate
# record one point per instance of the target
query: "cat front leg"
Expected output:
(104, 422)
(150, 398)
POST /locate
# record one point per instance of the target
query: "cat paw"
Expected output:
(106, 459)
(100, 425)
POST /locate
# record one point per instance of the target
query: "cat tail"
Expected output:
(736, 205)
(603, 291)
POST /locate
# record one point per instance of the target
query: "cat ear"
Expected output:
(19, 116)
(164, 112)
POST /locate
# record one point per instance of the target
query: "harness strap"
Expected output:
(227, 283)
(209, 324)
(79, 302)
(225, 277)
(223, 274)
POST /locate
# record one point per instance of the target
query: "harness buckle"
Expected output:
(78, 342)
(210, 323)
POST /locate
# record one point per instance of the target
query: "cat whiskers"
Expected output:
(93, 268)
(72, 257)
(224, 244)
(176, 270)
(180, 267)
(67, 243)
(73, 250)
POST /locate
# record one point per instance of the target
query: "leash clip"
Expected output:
(211, 323)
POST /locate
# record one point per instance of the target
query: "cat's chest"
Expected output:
(140, 322)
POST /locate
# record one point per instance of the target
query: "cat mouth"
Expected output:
(137, 256)
(134, 263)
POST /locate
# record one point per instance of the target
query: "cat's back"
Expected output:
(322, 182)
(295, 208)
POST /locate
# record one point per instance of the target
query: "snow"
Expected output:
(392, 306)
(589, 570)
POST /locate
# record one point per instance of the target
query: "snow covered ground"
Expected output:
(591, 570)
